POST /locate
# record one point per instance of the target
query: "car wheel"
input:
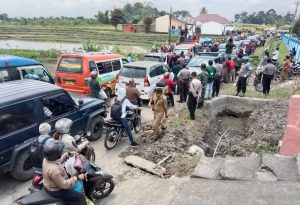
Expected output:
(96, 129)
(22, 169)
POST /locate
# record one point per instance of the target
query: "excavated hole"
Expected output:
(231, 143)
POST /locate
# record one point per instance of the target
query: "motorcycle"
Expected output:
(88, 151)
(115, 130)
(96, 186)
(296, 68)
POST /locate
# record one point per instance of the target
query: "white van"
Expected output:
(145, 74)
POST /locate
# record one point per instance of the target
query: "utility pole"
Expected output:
(294, 20)
(170, 25)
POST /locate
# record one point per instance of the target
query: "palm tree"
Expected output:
(203, 10)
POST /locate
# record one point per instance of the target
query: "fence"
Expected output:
(292, 43)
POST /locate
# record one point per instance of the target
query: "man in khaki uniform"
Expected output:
(159, 106)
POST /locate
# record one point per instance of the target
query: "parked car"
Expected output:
(73, 71)
(195, 63)
(23, 104)
(157, 57)
(18, 68)
(187, 49)
(145, 74)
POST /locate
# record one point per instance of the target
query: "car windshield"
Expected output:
(196, 62)
(154, 58)
(133, 72)
(36, 72)
(70, 65)
(178, 51)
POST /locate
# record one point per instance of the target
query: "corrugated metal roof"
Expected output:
(19, 90)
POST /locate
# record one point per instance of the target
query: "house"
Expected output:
(212, 24)
(162, 24)
(133, 28)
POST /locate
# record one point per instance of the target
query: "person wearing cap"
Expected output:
(170, 84)
(159, 105)
(183, 77)
(94, 85)
(132, 93)
(243, 75)
(194, 93)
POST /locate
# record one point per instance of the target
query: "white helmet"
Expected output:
(44, 128)
(63, 126)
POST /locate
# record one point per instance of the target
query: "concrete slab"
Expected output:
(145, 165)
(228, 192)
(209, 168)
(240, 168)
(285, 168)
(266, 176)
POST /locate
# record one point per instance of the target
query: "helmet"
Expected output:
(53, 149)
(63, 125)
(245, 58)
(44, 128)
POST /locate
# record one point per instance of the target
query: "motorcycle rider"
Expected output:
(63, 127)
(126, 104)
(132, 93)
(36, 149)
(56, 181)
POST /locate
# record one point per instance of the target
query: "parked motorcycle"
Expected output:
(96, 186)
(115, 130)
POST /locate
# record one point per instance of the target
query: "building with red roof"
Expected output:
(212, 24)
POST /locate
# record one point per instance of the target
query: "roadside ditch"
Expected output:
(252, 125)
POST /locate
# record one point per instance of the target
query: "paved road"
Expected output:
(109, 161)
(221, 192)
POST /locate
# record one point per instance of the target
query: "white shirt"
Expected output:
(126, 104)
(195, 87)
(275, 55)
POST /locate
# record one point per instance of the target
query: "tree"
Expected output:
(117, 16)
(203, 10)
(102, 17)
(296, 28)
(148, 20)
(4, 17)
(181, 14)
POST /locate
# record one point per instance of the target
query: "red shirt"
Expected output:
(170, 83)
(230, 65)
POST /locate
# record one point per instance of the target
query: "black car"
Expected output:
(24, 105)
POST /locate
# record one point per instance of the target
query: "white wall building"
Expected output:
(162, 24)
(212, 24)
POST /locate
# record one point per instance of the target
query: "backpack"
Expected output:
(36, 152)
(116, 110)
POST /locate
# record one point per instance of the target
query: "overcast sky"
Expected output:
(88, 8)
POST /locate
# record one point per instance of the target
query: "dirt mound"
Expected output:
(266, 125)
(175, 141)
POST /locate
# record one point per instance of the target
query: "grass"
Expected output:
(278, 91)
(48, 55)
(102, 34)
(283, 50)
(265, 148)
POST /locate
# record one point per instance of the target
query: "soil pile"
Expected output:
(174, 141)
